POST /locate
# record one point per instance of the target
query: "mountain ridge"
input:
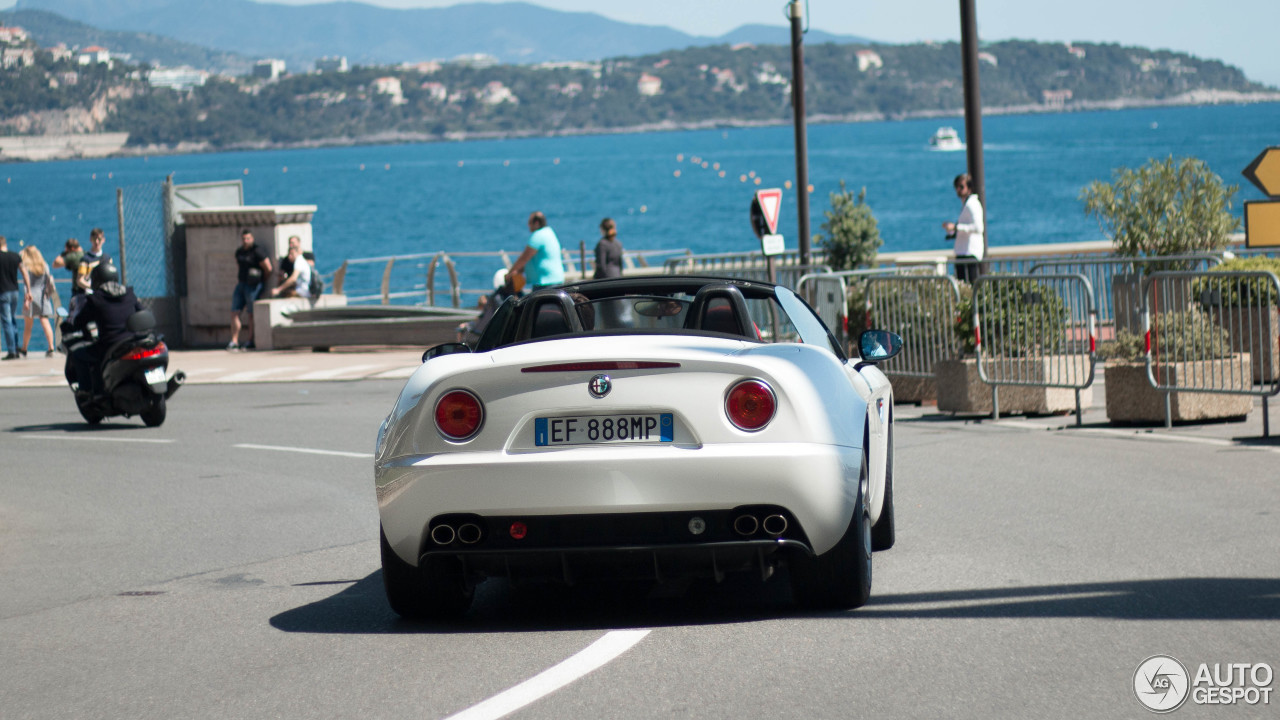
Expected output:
(512, 32)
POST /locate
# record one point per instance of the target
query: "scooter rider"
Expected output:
(109, 306)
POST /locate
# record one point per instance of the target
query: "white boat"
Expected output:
(946, 138)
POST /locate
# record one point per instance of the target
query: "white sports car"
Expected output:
(658, 427)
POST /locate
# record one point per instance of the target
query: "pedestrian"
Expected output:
(285, 265)
(40, 305)
(12, 297)
(254, 269)
(90, 259)
(298, 282)
(69, 258)
(608, 251)
(541, 256)
(967, 232)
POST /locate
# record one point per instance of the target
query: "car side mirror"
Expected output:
(878, 345)
(445, 349)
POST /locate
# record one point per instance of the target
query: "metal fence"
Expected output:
(922, 310)
(145, 256)
(749, 266)
(830, 293)
(1036, 331)
(1118, 282)
(1213, 332)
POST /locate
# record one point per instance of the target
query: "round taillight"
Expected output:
(459, 414)
(750, 405)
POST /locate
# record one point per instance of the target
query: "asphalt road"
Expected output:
(226, 565)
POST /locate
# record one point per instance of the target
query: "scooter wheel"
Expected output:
(154, 415)
(90, 416)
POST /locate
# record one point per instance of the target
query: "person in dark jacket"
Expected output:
(109, 306)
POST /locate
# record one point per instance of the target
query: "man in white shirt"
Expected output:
(967, 231)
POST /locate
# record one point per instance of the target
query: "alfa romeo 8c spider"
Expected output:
(644, 427)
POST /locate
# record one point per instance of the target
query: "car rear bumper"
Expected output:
(814, 485)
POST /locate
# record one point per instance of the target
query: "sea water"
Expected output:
(476, 196)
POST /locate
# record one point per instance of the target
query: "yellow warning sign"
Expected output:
(1262, 223)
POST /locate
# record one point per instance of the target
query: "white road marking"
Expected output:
(252, 375)
(77, 436)
(309, 451)
(335, 372)
(595, 656)
(403, 372)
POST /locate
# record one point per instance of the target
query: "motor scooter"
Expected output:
(134, 372)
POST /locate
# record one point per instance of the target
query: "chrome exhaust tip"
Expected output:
(442, 534)
(746, 525)
(469, 534)
(774, 525)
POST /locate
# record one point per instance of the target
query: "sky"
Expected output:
(1239, 32)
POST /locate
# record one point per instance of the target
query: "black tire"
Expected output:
(840, 578)
(435, 590)
(154, 415)
(91, 416)
(882, 533)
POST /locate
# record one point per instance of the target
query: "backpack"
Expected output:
(316, 287)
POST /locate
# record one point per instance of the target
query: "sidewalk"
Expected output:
(221, 366)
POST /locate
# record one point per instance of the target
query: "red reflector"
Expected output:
(750, 405)
(598, 366)
(143, 354)
(458, 414)
(1093, 344)
(1146, 342)
(519, 530)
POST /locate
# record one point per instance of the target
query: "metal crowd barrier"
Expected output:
(1035, 331)
(922, 310)
(1213, 332)
(828, 294)
(1118, 282)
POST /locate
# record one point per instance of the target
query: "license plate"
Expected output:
(603, 429)
(154, 375)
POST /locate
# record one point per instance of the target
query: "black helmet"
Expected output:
(104, 273)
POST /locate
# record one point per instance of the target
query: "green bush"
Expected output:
(1166, 207)
(1018, 318)
(850, 235)
(1185, 336)
(1251, 292)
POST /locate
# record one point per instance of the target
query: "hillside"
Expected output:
(49, 29)
(512, 32)
(696, 87)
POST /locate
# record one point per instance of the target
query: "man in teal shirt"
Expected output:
(541, 260)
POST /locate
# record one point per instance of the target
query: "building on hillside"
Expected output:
(336, 64)
(767, 74)
(269, 69)
(427, 67)
(60, 52)
(649, 85)
(572, 90)
(495, 93)
(1056, 99)
(989, 59)
(868, 59)
(94, 55)
(12, 35)
(179, 78)
(475, 60)
(1077, 51)
(390, 86)
(436, 92)
(69, 77)
(18, 58)
(726, 79)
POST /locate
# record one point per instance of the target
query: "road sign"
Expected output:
(1262, 223)
(1264, 172)
(772, 245)
(764, 211)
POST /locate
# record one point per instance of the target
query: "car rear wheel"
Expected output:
(436, 589)
(840, 578)
(882, 533)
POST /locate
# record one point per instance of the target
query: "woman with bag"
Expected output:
(40, 305)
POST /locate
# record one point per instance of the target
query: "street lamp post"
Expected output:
(802, 142)
(973, 103)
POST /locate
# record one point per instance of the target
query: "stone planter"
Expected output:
(1255, 331)
(961, 390)
(1131, 399)
(912, 389)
